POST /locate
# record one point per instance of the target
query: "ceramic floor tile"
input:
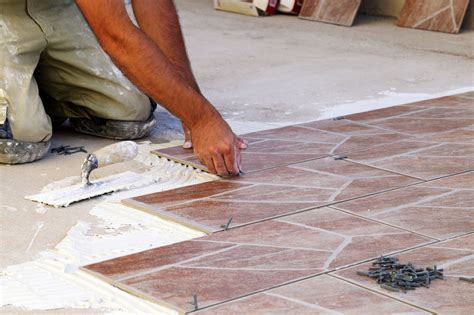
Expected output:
(297, 134)
(357, 136)
(319, 295)
(212, 215)
(188, 193)
(254, 257)
(447, 102)
(424, 160)
(143, 262)
(440, 209)
(340, 12)
(462, 135)
(445, 113)
(440, 15)
(263, 195)
(467, 94)
(385, 113)
(413, 109)
(423, 127)
(449, 296)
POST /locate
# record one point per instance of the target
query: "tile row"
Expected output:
(253, 258)
(426, 139)
(292, 144)
(263, 195)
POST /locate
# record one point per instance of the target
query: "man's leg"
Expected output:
(83, 81)
(25, 129)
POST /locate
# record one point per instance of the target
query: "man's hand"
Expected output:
(217, 147)
(188, 141)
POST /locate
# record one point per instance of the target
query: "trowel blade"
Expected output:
(63, 197)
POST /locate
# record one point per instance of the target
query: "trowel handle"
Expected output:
(116, 153)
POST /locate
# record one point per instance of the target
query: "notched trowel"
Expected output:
(112, 154)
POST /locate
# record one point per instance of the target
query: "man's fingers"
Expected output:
(219, 164)
(242, 143)
(188, 144)
(239, 161)
(207, 161)
(231, 163)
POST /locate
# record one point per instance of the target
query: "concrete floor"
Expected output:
(268, 70)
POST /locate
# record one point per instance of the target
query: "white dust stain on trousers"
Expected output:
(55, 281)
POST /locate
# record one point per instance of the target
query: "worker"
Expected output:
(88, 62)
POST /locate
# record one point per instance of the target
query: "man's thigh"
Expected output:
(21, 42)
(76, 71)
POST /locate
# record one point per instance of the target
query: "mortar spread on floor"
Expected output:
(53, 280)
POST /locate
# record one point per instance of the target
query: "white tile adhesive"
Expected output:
(54, 280)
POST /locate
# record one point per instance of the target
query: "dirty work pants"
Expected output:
(47, 48)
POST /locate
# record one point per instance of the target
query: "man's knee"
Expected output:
(134, 106)
(28, 123)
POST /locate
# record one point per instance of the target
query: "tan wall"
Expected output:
(393, 8)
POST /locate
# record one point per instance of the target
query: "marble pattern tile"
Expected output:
(462, 104)
(263, 195)
(449, 296)
(420, 159)
(440, 15)
(466, 94)
(440, 209)
(317, 295)
(254, 257)
(341, 12)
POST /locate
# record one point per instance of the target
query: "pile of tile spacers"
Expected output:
(394, 276)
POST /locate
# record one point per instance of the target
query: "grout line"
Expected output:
(261, 290)
(417, 203)
(412, 152)
(384, 223)
(265, 245)
(325, 310)
(446, 176)
(236, 189)
(379, 293)
(318, 207)
(384, 169)
(368, 124)
(457, 236)
(465, 97)
(179, 263)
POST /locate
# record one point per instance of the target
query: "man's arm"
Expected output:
(159, 20)
(145, 64)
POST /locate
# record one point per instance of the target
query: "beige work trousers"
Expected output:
(48, 49)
